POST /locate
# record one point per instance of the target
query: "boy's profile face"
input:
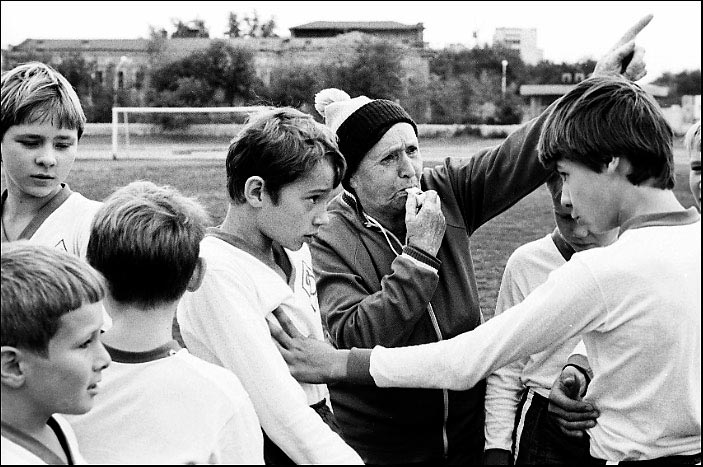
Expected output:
(577, 235)
(591, 195)
(66, 380)
(37, 158)
(301, 208)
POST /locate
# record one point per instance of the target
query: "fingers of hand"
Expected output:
(634, 30)
(286, 324)
(637, 68)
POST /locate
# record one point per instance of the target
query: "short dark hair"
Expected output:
(35, 92)
(607, 117)
(40, 284)
(280, 146)
(145, 240)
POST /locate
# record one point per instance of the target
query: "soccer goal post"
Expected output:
(126, 111)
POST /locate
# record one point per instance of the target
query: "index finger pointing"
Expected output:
(634, 30)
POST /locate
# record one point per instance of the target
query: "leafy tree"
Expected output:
(375, 69)
(685, 83)
(250, 26)
(293, 85)
(221, 75)
(234, 27)
(194, 28)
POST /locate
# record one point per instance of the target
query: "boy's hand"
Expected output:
(425, 228)
(571, 414)
(612, 62)
(309, 360)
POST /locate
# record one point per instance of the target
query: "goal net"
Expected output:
(165, 132)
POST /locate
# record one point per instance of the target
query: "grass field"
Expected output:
(205, 179)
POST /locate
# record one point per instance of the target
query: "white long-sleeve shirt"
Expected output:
(224, 322)
(637, 303)
(527, 268)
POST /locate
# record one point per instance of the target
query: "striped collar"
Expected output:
(124, 356)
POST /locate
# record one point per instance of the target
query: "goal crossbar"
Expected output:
(116, 111)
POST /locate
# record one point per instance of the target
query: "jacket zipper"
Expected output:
(371, 222)
(445, 392)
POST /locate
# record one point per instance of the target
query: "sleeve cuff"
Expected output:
(359, 366)
(421, 256)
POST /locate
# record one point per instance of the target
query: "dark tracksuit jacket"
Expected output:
(370, 295)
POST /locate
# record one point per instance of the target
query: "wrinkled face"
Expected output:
(37, 158)
(591, 196)
(576, 235)
(301, 208)
(694, 176)
(66, 380)
(391, 165)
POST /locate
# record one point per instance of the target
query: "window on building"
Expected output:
(566, 78)
(578, 77)
(120, 80)
(99, 77)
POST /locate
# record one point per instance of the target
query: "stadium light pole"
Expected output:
(504, 81)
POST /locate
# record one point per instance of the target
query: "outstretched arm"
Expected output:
(309, 360)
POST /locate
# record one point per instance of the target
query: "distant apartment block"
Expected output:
(524, 40)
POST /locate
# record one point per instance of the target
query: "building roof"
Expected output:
(49, 45)
(359, 25)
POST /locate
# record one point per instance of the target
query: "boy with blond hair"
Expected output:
(52, 357)
(145, 240)
(42, 122)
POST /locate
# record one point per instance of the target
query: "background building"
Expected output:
(522, 40)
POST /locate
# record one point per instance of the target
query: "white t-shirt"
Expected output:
(527, 268)
(169, 407)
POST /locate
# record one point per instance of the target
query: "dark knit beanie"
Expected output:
(359, 123)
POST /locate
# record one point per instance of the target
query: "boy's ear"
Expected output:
(196, 279)
(11, 370)
(619, 165)
(254, 191)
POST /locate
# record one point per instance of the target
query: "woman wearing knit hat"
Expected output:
(396, 270)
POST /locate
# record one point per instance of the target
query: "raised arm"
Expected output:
(494, 179)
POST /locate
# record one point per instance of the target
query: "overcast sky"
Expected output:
(566, 31)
